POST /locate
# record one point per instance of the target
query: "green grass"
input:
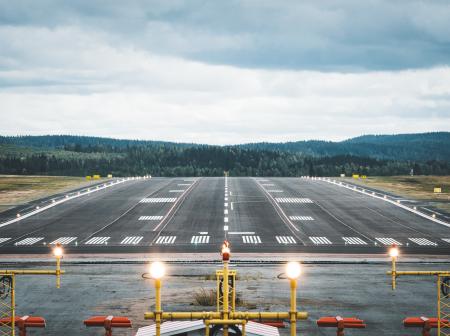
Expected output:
(15, 190)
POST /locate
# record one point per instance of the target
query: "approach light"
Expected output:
(58, 251)
(393, 252)
(293, 270)
(157, 270)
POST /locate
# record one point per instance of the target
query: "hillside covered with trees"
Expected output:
(427, 154)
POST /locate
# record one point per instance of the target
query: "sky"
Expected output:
(224, 72)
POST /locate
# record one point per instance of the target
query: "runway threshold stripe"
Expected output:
(293, 200)
(148, 218)
(285, 240)
(320, 240)
(165, 240)
(64, 240)
(275, 191)
(131, 240)
(176, 191)
(2, 240)
(388, 241)
(158, 200)
(301, 218)
(422, 241)
(447, 240)
(200, 239)
(29, 241)
(251, 239)
(354, 241)
(98, 241)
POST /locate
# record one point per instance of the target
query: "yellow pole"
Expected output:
(13, 305)
(439, 304)
(394, 272)
(58, 271)
(158, 306)
(293, 312)
(225, 296)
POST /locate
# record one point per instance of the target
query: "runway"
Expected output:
(260, 215)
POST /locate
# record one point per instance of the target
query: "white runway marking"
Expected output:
(29, 241)
(64, 240)
(131, 240)
(301, 218)
(268, 185)
(226, 198)
(285, 240)
(2, 240)
(158, 200)
(225, 227)
(320, 240)
(293, 200)
(422, 241)
(241, 233)
(146, 218)
(225, 219)
(165, 240)
(388, 241)
(275, 191)
(225, 212)
(176, 191)
(447, 240)
(97, 241)
(183, 184)
(225, 205)
(200, 240)
(354, 241)
(203, 233)
(251, 240)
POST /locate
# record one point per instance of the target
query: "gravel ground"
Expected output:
(361, 290)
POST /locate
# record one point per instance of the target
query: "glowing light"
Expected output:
(157, 270)
(293, 270)
(393, 252)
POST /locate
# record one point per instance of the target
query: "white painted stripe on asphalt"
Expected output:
(183, 184)
(68, 197)
(225, 227)
(2, 240)
(29, 241)
(166, 240)
(98, 241)
(226, 199)
(147, 218)
(422, 241)
(64, 240)
(293, 200)
(388, 241)
(225, 219)
(251, 239)
(447, 240)
(320, 240)
(131, 240)
(396, 203)
(203, 233)
(158, 200)
(268, 185)
(285, 240)
(200, 240)
(263, 180)
(241, 233)
(275, 191)
(176, 191)
(354, 241)
(225, 212)
(301, 218)
(225, 205)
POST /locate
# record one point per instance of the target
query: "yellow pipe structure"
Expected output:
(225, 315)
(13, 305)
(293, 311)
(394, 272)
(31, 272)
(217, 315)
(437, 273)
(158, 306)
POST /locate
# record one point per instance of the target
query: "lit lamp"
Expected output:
(157, 271)
(293, 271)
(58, 253)
(393, 253)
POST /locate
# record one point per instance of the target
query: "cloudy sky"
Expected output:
(224, 72)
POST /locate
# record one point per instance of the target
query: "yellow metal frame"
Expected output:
(12, 307)
(442, 302)
(226, 316)
(219, 298)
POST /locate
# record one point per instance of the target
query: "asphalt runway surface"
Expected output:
(259, 215)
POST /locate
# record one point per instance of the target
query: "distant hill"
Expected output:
(414, 147)
(427, 153)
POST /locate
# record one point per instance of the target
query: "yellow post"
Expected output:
(13, 305)
(58, 271)
(438, 304)
(225, 296)
(394, 272)
(158, 306)
(293, 312)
